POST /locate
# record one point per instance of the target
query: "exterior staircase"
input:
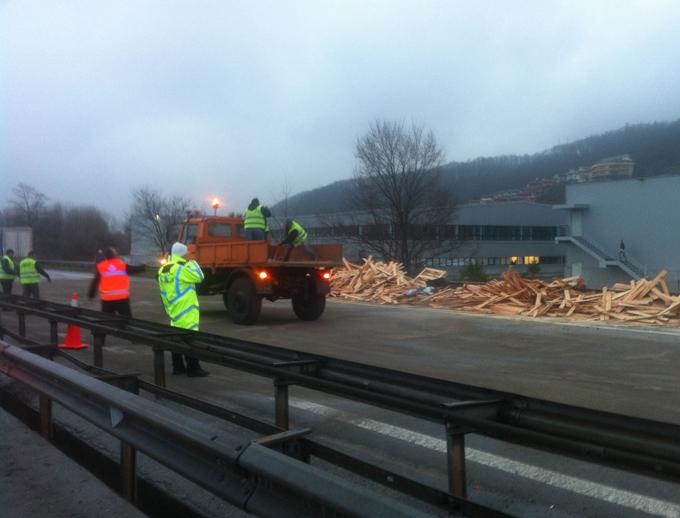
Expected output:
(626, 263)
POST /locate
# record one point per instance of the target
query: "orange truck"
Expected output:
(245, 272)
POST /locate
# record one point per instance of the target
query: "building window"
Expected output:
(531, 259)
(552, 259)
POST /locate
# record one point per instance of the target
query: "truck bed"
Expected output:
(237, 254)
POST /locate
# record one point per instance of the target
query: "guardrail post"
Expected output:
(159, 367)
(455, 457)
(281, 403)
(45, 417)
(98, 348)
(128, 471)
(22, 323)
(54, 333)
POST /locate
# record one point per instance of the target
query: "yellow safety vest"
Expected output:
(255, 219)
(28, 274)
(4, 275)
(301, 236)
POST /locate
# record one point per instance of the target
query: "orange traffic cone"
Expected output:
(73, 338)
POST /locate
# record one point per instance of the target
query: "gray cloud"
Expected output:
(229, 98)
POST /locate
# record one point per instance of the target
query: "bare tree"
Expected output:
(28, 202)
(158, 217)
(286, 190)
(398, 197)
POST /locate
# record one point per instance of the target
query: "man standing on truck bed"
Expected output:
(112, 279)
(7, 272)
(296, 236)
(255, 221)
(177, 281)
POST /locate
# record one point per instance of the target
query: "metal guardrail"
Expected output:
(247, 474)
(639, 445)
(69, 265)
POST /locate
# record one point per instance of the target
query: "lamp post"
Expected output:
(216, 205)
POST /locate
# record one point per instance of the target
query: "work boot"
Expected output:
(194, 369)
(197, 373)
(178, 364)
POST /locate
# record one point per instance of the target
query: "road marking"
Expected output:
(577, 485)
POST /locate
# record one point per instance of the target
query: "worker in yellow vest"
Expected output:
(296, 236)
(255, 221)
(29, 276)
(177, 280)
(7, 272)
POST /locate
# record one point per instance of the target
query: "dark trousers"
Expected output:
(117, 307)
(7, 286)
(304, 245)
(178, 363)
(255, 234)
(32, 291)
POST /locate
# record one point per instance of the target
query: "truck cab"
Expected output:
(246, 272)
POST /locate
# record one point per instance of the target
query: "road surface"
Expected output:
(631, 371)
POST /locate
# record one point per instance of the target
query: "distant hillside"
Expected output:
(655, 148)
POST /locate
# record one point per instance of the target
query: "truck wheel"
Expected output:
(243, 303)
(309, 307)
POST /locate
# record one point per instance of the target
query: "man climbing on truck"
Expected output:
(296, 236)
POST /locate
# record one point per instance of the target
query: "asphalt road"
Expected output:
(631, 371)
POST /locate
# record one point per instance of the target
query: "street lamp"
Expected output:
(216, 204)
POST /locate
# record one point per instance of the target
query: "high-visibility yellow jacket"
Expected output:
(301, 233)
(177, 281)
(28, 273)
(3, 274)
(255, 219)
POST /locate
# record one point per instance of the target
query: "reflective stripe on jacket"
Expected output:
(114, 282)
(177, 281)
(301, 233)
(3, 274)
(28, 273)
(255, 219)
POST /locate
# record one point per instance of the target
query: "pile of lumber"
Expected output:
(377, 281)
(646, 301)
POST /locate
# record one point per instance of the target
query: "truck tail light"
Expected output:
(263, 276)
(326, 276)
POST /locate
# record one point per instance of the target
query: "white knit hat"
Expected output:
(179, 250)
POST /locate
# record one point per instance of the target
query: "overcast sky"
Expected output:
(226, 98)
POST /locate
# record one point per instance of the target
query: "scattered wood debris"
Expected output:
(377, 281)
(644, 301)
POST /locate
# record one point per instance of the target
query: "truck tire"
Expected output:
(309, 307)
(243, 303)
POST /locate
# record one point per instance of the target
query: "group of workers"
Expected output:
(28, 270)
(256, 228)
(177, 279)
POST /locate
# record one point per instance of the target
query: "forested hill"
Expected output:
(655, 148)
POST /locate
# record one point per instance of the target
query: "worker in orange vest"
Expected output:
(112, 279)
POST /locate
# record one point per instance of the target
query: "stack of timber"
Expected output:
(645, 301)
(377, 281)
